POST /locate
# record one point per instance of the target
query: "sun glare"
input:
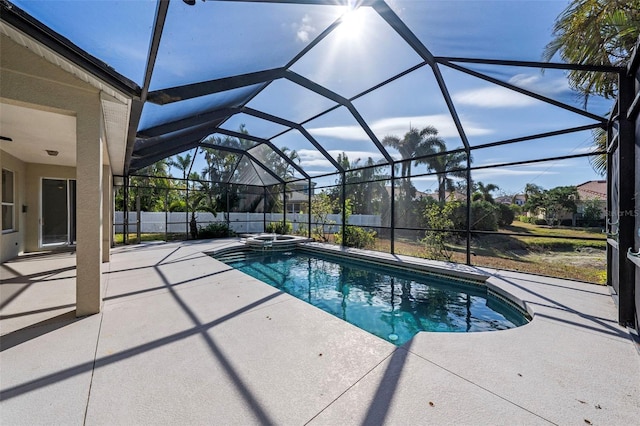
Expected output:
(352, 23)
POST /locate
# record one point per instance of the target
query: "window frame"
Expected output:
(11, 203)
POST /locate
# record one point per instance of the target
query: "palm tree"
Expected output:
(181, 163)
(599, 162)
(415, 143)
(531, 190)
(595, 32)
(484, 191)
(279, 165)
(446, 165)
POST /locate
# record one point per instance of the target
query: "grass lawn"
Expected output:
(537, 252)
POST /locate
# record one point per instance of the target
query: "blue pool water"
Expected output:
(390, 303)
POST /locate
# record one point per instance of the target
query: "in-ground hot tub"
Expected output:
(274, 241)
(274, 238)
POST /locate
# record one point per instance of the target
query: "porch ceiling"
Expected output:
(34, 131)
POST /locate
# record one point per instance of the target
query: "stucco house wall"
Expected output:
(13, 243)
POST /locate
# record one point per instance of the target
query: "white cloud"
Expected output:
(340, 132)
(304, 29)
(398, 126)
(313, 158)
(446, 127)
(501, 97)
(493, 97)
(535, 83)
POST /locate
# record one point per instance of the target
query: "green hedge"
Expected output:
(357, 237)
(279, 228)
(215, 230)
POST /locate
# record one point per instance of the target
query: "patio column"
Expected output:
(89, 146)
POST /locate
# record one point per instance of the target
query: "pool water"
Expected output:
(388, 302)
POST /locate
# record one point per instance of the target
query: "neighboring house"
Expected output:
(592, 190)
(297, 202)
(518, 199)
(587, 191)
(298, 197)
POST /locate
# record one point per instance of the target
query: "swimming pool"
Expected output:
(391, 303)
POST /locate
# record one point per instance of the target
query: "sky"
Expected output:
(219, 39)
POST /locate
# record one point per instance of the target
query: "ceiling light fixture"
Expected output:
(51, 152)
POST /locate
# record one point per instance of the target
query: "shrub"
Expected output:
(215, 230)
(505, 215)
(356, 236)
(279, 228)
(516, 209)
(440, 217)
(592, 212)
(484, 216)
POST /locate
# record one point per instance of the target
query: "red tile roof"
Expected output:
(593, 189)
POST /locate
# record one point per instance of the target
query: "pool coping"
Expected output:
(448, 269)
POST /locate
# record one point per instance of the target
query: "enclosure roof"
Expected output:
(318, 77)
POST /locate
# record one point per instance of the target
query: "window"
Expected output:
(8, 205)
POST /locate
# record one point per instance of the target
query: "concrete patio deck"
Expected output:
(184, 339)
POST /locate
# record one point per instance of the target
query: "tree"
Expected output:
(321, 207)
(415, 143)
(439, 218)
(555, 203)
(284, 169)
(531, 190)
(364, 186)
(592, 211)
(220, 168)
(596, 32)
(446, 165)
(181, 163)
(483, 192)
(151, 187)
(279, 165)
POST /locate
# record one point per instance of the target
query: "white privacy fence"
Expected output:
(178, 222)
